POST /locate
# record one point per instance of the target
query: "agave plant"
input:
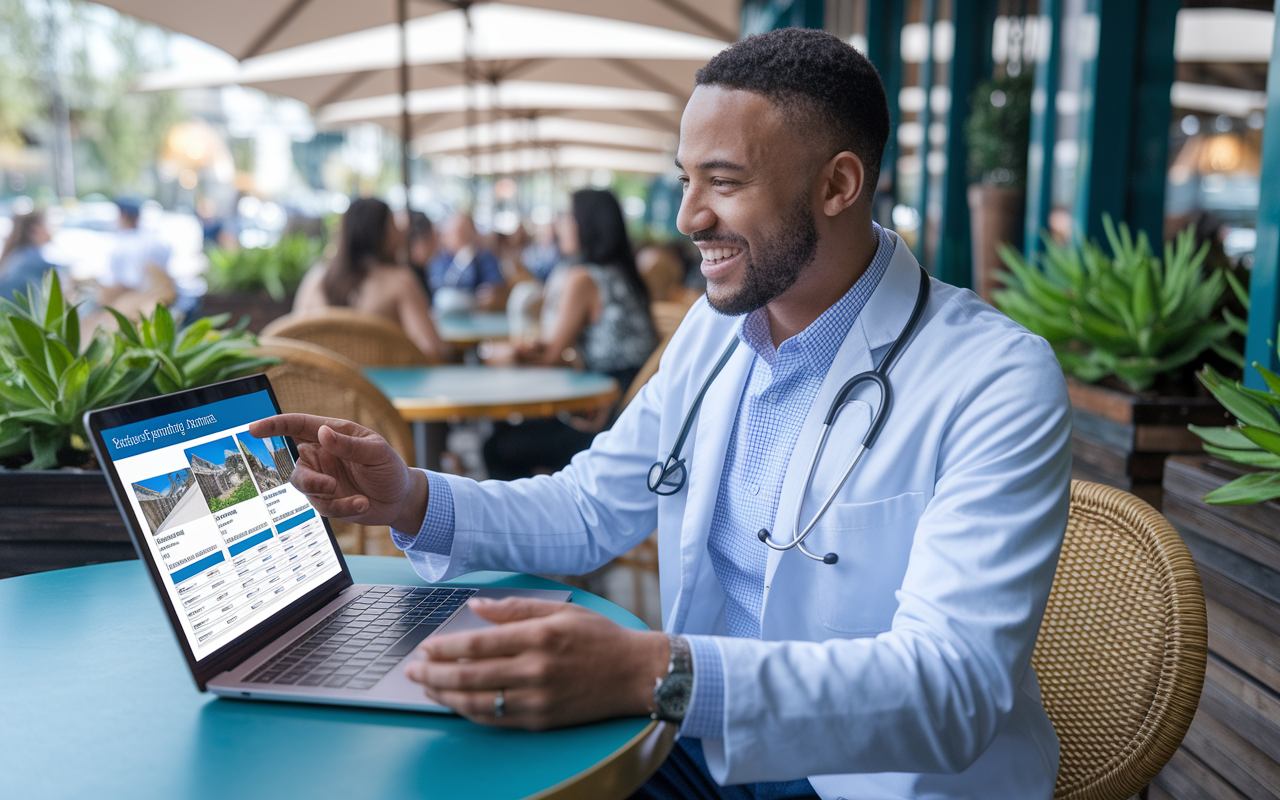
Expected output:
(46, 383)
(1129, 314)
(196, 355)
(1255, 441)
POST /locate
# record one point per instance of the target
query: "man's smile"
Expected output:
(718, 260)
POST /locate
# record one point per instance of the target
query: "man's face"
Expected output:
(748, 176)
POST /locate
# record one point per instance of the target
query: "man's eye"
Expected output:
(720, 182)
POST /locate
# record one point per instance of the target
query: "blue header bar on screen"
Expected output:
(183, 426)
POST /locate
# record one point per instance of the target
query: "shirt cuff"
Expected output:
(705, 717)
(436, 533)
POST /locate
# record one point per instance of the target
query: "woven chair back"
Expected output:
(312, 380)
(647, 371)
(367, 339)
(667, 316)
(1121, 652)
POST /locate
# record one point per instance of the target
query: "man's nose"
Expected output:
(694, 214)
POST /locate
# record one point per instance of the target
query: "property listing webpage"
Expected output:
(236, 540)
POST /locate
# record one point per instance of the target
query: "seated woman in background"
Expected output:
(596, 307)
(20, 261)
(363, 275)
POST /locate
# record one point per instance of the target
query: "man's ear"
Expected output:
(844, 178)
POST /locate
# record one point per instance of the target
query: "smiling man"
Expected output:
(887, 656)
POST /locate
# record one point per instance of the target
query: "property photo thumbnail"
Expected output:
(166, 500)
(262, 461)
(222, 473)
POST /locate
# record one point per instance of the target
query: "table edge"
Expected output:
(425, 410)
(622, 772)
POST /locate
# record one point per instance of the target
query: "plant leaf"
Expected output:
(1254, 488)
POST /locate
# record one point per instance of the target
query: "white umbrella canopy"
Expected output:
(440, 109)
(248, 28)
(544, 132)
(507, 42)
(546, 159)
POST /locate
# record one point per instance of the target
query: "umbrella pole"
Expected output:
(402, 15)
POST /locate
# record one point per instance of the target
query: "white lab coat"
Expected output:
(902, 671)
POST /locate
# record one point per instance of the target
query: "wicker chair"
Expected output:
(367, 339)
(1121, 652)
(312, 380)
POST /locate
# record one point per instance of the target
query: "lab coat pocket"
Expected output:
(857, 594)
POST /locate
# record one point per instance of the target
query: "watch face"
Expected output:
(674, 694)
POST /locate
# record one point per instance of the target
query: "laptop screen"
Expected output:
(236, 542)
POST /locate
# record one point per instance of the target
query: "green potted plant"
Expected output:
(56, 507)
(1126, 327)
(1226, 505)
(997, 133)
(259, 282)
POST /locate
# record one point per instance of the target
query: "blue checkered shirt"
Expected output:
(780, 389)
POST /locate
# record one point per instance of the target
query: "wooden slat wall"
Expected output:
(1232, 750)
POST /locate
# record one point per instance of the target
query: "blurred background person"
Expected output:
(139, 278)
(464, 275)
(542, 254)
(596, 309)
(21, 261)
(424, 243)
(363, 275)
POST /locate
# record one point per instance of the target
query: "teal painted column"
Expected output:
(1105, 116)
(759, 16)
(1264, 282)
(929, 16)
(1044, 127)
(1125, 114)
(884, 49)
(970, 63)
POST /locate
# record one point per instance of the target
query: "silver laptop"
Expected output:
(250, 574)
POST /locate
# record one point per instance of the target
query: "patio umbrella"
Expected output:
(246, 29)
(549, 131)
(509, 43)
(547, 159)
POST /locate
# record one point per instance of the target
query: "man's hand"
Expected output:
(557, 664)
(349, 472)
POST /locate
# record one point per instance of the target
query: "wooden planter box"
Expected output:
(1122, 439)
(56, 519)
(1233, 748)
(258, 305)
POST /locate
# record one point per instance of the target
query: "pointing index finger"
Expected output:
(302, 427)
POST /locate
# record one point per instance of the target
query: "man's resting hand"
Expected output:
(557, 664)
(349, 472)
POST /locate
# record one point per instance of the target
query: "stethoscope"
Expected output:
(668, 477)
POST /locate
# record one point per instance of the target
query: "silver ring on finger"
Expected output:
(499, 704)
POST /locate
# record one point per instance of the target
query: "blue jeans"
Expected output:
(684, 776)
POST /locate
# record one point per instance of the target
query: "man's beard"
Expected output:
(774, 266)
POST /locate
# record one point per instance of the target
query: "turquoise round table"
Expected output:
(96, 701)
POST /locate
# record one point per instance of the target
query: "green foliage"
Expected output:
(46, 384)
(1129, 314)
(998, 130)
(1238, 325)
(196, 355)
(1255, 441)
(277, 269)
(245, 491)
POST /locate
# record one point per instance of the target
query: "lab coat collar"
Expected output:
(879, 323)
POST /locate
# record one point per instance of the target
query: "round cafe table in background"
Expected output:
(458, 392)
(469, 329)
(97, 701)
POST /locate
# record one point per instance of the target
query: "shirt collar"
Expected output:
(819, 342)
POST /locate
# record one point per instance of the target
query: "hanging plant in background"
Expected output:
(1128, 314)
(998, 129)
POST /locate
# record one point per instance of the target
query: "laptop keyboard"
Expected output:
(356, 645)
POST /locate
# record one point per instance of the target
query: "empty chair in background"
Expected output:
(363, 275)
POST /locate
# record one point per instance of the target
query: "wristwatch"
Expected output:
(671, 693)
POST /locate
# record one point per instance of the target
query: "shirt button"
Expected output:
(773, 397)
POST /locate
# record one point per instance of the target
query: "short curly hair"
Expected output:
(819, 78)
